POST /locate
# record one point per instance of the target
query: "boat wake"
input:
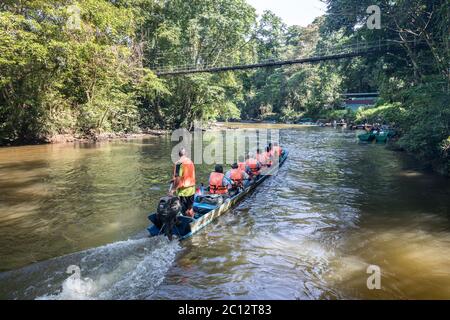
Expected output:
(130, 269)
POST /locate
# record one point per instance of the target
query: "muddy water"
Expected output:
(310, 232)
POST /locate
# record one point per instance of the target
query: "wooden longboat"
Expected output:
(187, 227)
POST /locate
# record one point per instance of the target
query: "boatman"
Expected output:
(184, 182)
(218, 183)
(237, 176)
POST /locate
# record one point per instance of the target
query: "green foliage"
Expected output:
(59, 78)
(347, 114)
(68, 66)
(296, 89)
(289, 115)
(195, 33)
(414, 81)
(427, 123)
(392, 113)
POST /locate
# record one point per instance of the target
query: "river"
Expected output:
(310, 232)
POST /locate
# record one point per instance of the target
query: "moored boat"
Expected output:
(382, 137)
(366, 137)
(206, 212)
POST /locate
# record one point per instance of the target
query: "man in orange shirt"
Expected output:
(184, 182)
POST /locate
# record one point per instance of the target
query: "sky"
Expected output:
(293, 12)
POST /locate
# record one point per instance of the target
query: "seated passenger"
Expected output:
(241, 164)
(261, 158)
(277, 150)
(271, 150)
(253, 165)
(268, 157)
(218, 183)
(237, 176)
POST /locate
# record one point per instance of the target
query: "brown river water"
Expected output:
(310, 232)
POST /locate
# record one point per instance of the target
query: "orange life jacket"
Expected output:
(277, 150)
(261, 158)
(188, 177)
(268, 158)
(237, 176)
(253, 165)
(216, 183)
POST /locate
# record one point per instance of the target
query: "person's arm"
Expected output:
(178, 175)
(226, 182)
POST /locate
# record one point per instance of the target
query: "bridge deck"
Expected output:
(336, 53)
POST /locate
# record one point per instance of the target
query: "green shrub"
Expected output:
(393, 114)
(346, 114)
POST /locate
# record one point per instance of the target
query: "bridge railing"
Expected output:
(360, 47)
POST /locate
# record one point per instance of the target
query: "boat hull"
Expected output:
(366, 137)
(382, 138)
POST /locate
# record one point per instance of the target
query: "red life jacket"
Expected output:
(277, 150)
(216, 183)
(268, 158)
(261, 158)
(253, 165)
(188, 177)
(242, 166)
(237, 176)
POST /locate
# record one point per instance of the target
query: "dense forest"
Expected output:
(87, 66)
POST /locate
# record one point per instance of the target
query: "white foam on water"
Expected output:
(129, 269)
(73, 289)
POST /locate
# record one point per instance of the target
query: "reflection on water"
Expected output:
(310, 232)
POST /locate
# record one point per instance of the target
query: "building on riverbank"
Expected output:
(354, 101)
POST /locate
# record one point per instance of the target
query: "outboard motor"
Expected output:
(166, 214)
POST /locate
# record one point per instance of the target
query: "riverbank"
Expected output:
(86, 138)
(110, 136)
(68, 138)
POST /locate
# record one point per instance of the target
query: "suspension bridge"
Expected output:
(323, 54)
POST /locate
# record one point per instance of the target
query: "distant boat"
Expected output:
(366, 137)
(382, 137)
